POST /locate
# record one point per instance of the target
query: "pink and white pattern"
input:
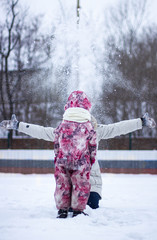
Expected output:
(78, 99)
(75, 150)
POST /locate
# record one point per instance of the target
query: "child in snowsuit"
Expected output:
(107, 132)
(75, 150)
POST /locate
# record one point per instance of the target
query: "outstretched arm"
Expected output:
(117, 129)
(124, 127)
(36, 131)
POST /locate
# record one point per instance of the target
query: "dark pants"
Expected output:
(93, 200)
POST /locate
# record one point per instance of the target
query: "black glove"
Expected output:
(10, 124)
(147, 121)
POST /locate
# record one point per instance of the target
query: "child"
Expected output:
(75, 150)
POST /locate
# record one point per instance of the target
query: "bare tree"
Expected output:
(135, 92)
(123, 30)
(8, 43)
(22, 48)
(125, 22)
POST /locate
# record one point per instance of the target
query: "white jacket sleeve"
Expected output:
(36, 131)
(117, 129)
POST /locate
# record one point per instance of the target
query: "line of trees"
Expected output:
(129, 88)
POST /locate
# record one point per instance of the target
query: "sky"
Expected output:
(49, 8)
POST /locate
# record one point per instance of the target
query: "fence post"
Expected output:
(130, 141)
(9, 140)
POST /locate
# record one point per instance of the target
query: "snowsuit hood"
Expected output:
(78, 99)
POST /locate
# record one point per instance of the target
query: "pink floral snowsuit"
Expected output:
(75, 150)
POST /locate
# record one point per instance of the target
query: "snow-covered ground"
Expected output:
(127, 211)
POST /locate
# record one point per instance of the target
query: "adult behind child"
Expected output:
(107, 132)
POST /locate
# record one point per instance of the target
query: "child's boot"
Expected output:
(62, 213)
(77, 212)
